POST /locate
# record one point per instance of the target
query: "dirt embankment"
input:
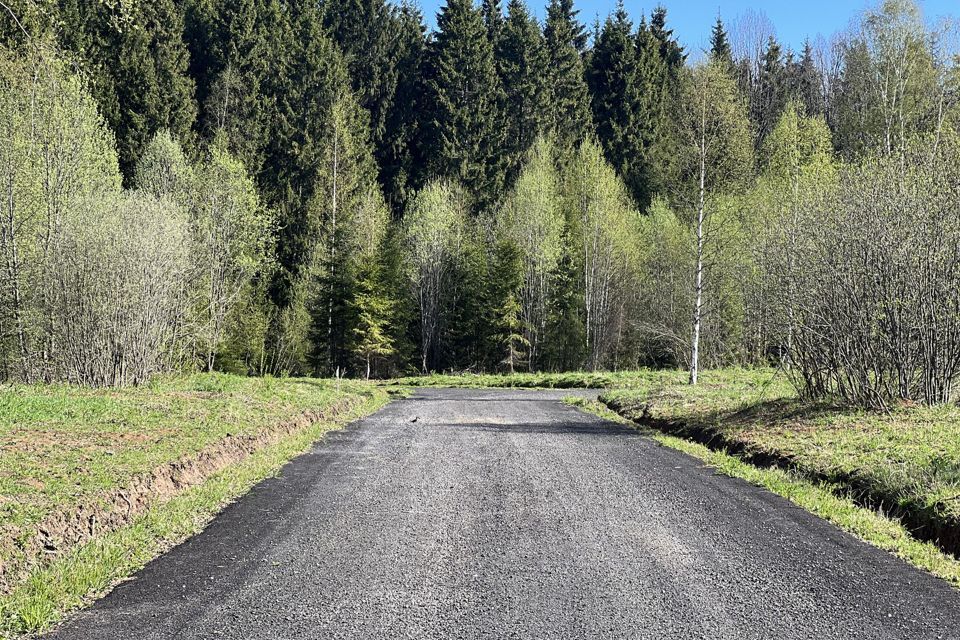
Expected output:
(64, 530)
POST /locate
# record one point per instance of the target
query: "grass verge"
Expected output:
(572, 380)
(200, 411)
(819, 498)
(905, 462)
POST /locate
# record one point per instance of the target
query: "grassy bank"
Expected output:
(905, 463)
(820, 498)
(69, 456)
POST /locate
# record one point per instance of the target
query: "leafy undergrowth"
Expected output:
(906, 462)
(62, 446)
(821, 498)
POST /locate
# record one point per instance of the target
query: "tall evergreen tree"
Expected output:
(654, 84)
(770, 92)
(616, 97)
(238, 55)
(400, 152)
(522, 65)
(720, 44)
(670, 49)
(492, 11)
(383, 46)
(570, 100)
(808, 83)
(137, 62)
(465, 93)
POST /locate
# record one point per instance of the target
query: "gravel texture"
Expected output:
(507, 514)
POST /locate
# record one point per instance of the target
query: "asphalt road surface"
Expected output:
(506, 514)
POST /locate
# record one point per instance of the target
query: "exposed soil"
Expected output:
(65, 530)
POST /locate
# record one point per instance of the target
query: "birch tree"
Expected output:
(533, 220)
(230, 230)
(56, 155)
(606, 224)
(434, 229)
(716, 153)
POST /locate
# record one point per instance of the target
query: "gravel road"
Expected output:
(506, 514)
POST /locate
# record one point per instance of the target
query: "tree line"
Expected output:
(328, 188)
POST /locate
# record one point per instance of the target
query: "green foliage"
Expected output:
(569, 104)
(522, 66)
(714, 132)
(604, 223)
(137, 64)
(720, 49)
(57, 162)
(881, 117)
(533, 220)
(371, 336)
(383, 46)
(434, 229)
(164, 170)
(465, 96)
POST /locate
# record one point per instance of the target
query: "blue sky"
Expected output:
(793, 20)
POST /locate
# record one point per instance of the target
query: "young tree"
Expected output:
(716, 154)
(56, 154)
(434, 228)
(604, 221)
(163, 171)
(352, 216)
(888, 91)
(230, 233)
(797, 160)
(371, 335)
(533, 220)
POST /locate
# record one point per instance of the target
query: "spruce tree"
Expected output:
(615, 95)
(137, 62)
(720, 44)
(570, 99)
(465, 93)
(522, 65)
(670, 49)
(770, 93)
(654, 86)
(239, 51)
(383, 46)
(808, 83)
(492, 11)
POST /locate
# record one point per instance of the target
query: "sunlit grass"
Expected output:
(61, 446)
(819, 498)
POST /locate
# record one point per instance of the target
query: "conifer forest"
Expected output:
(331, 188)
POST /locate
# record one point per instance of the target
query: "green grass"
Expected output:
(572, 380)
(820, 498)
(907, 460)
(63, 446)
